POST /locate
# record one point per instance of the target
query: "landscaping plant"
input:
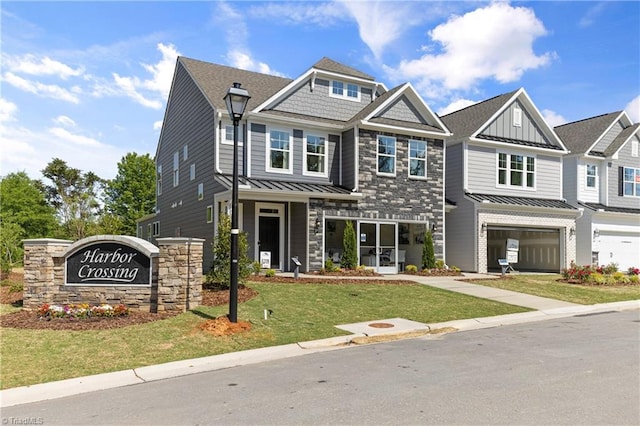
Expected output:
(349, 258)
(220, 273)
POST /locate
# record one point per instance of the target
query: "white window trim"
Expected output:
(345, 91)
(635, 171)
(508, 185)
(409, 158)
(326, 156)
(587, 176)
(209, 216)
(267, 165)
(395, 156)
(176, 168)
(634, 148)
(223, 135)
(156, 228)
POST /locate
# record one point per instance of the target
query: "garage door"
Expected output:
(623, 249)
(539, 248)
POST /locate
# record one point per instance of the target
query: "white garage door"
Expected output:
(623, 249)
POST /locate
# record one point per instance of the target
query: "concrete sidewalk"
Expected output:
(373, 331)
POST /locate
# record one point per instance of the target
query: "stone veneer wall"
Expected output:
(176, 278)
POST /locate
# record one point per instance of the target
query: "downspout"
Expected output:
(356, 140)
(216, 138)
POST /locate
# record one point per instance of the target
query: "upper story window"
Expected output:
(159, 180)
(315, 155)
(156, 228)
(185, 152)
(200, 191)
(417, 159)
(192, 171)
(228, 134)
(386, 155)
(209, 214)
(279, 152)
(176, 168)
(341, 89)
(631, 182)
(516, 170)
(634, 148)
(592, 173)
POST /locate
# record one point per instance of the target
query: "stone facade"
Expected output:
(176, 277)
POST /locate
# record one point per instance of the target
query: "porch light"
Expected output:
(484, 227)
(434, 228)
(317, 225)
(572, 232)
(596, 233)
(236, 100)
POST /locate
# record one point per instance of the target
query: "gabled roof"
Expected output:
(214, 80)
(369, 114)
(519, 201)
(330, 65)
(579, 136)
(467, 121)
(621, 139)
(471, 121)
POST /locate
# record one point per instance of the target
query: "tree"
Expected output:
(23, 203)
(132, 193)
(221, 270)
(74, 195)
(11, 251)
(428, 255)
(349, 258)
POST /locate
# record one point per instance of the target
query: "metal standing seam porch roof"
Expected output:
(602, 207)
(322, 190)
(520, 201)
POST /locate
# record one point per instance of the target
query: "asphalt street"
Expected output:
(576, 370)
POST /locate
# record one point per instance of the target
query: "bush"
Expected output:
(633, 271)
(256, 267)
(440, 264)
(349, 258)
(329, 266)
(411, 269)
(220, 272)
(611, 268)
(270, 273)
(428, 255)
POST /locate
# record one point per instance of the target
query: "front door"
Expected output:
(269, 222)
(378, 246)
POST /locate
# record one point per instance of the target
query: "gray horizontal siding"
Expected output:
(624, 160)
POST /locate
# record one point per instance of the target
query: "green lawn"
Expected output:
(547, 285)
(301, 312)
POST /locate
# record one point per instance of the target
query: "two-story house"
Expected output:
(602, 176)
(504, 175)
(329, 146)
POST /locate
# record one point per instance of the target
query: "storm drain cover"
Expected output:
(381, 325)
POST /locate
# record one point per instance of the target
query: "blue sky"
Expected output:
(88, 81)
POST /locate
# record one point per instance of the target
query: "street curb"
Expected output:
(70, 387)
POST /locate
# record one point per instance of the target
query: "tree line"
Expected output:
(71, 204)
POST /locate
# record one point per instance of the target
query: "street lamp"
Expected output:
(236, 100)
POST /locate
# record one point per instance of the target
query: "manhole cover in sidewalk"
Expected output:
(381, 325)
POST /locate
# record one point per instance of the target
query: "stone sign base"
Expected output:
(175, 282)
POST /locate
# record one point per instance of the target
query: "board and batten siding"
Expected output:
(482, 173)
(260, 147)
(348, 154)
(624, 160)
(503, 126)
(319, 103)
(299, 233)
(188, 122)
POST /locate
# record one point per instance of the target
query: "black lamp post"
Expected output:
(236, 100)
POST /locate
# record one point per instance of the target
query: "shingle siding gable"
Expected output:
(402, 110)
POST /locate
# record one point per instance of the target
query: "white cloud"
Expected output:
(40, 89)
(30, 64)
(493, 42)
(323, 14)
(64, 121)
(552, 118)
(381, 22)
(633, 109)
(147, 92)
(456, 106)
(8, 110)
(590, 17)
(242, 60)
(66, 136)
(157, 125)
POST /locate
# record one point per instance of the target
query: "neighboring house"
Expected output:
(330, 146)
(504, 175)
(602, 176)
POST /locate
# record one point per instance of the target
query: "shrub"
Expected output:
(329, 266)
(256, 267)
(610, 269)
(440, 264)
(411, 269)
(270, 273)
(81, 311)
(597, 278)
(428, 255)
(634, 279)
(633, 271)
(349, 258)
(220, 272)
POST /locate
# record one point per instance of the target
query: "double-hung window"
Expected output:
(386, 155)
(592, 173)
(316, 155)
(631, 182)
(340, 89)
(279, 156)
(516, 170)
(417, 159)
(228, 134)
